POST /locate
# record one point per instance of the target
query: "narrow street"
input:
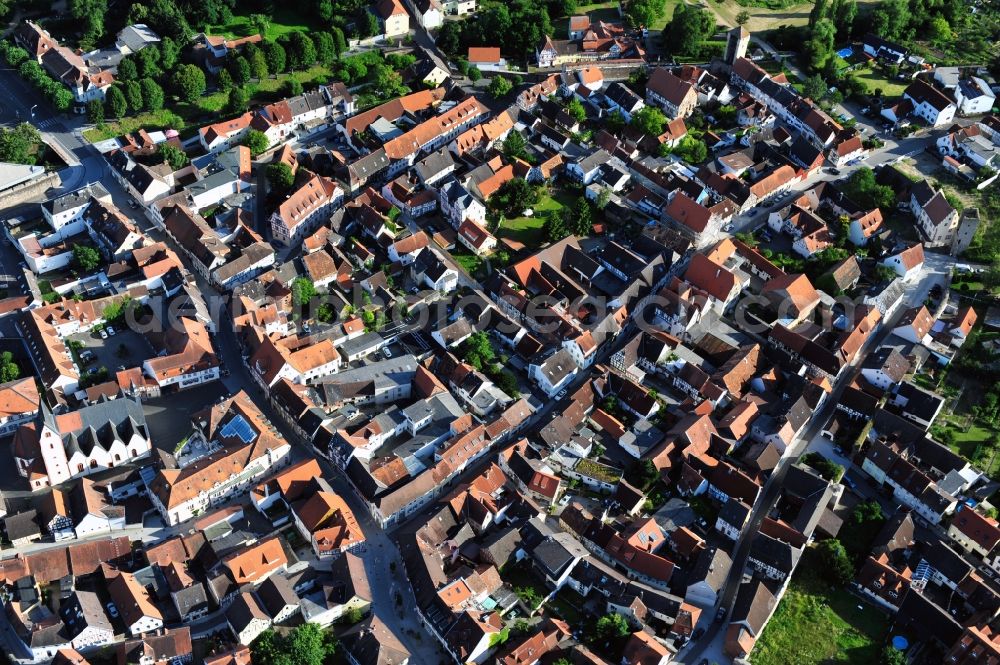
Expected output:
(711, 643)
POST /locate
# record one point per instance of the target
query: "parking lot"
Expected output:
(123, 349)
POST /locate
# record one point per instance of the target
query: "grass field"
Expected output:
(762, 18)
(208, 109)
(528, 230)
(284, 19)
(873, 79)
(816, 624)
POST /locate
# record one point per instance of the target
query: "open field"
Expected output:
(818, 624)
(284, 19)
(763, 18)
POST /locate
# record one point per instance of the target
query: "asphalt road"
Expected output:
(710, 644)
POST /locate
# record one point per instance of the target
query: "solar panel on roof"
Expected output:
(238, 426)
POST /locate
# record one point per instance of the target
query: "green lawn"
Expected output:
(528, 230)
(209, 108)
(568, 604)
(874, 79)
(817, 624)
(469, 261)
(284, 19)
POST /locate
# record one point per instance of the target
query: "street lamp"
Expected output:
(33, 111)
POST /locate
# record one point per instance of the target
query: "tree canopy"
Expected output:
(649, 120)
(257, 141)
(86, 257)
(689, 26)
(836, 564)
(307, 644)
(173, 155)
(188, 82)
(9, 369)
(513, 197)
(280, 176)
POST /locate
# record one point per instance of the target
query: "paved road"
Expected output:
(711, 643)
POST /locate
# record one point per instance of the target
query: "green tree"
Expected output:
(351, 616)
(260, 23)
(474, 74)
(529, 596)
(115, 103)
(274, 54)
(293, 87)
(95, 112)
(507, 382)
(449, 37)
(148, 61)
(339, 43)
(369, 25)
(152, 94)
(843, 14)
(86, 258)
(258, 65)
(172, 155)
(644, 12)
(836, 564)
(224, 80)
(514, 147)
(826, 468)
(301, 50)
(478, 351)
(9, 370)
(815, 87)
(691, 150)
(743, 17)
(892, 656)
(280, 176)
(500, 86)
(581, 218)
(133, 95)
(890, 19)
(325, 52)
(303, 292)
(170, 51)
(689, 26)
(307, 644)
(239, 67)
(239, 99)
(575, 109)
(649, 119)
(89, 15)
(555, 228)
(819, 11)
(188, 82)
(127, 70)
(867, 511)
(257, 142)
(615, 122)
(819, 47)
(611, 626)
(865, 191)
(513, 196)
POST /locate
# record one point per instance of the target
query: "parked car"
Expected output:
(111, 331)
(112, 610)
(104, 334)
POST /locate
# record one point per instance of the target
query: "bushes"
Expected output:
(829, 470)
